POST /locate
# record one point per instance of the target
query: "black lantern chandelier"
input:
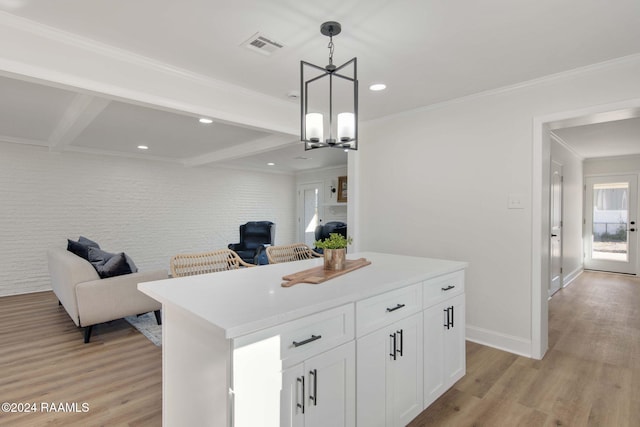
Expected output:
(329, 100)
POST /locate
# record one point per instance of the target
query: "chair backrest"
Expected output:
(322, 231)
(257, 233)
(287, 253)
(206, 262)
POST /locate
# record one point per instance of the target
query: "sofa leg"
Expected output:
(87, 333)
(158, 318)
(59, 303)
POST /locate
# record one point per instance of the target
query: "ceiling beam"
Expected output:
(257, 146)
(82, 111)
(63, 59)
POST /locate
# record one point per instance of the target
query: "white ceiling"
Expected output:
(614, 138)
(425, 51)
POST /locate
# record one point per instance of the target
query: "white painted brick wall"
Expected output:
(151, 210)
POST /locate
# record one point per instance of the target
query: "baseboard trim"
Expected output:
(509, 343)
(572, 276)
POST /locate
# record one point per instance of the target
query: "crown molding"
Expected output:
(23, 141)
(566, 146)
(629, 59)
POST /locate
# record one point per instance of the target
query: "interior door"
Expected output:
(310, 201)
(610, 223)
(556, 228)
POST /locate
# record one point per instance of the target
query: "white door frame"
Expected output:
(541, 209)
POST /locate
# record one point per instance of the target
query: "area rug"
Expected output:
(147, 325)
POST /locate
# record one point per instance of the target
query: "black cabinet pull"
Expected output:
(448, 323)
(397, 307)
(300, 405)
(448, 288)
(452, 325)
(394, 346)
(314, 398)
(307, 341)
(400, 333)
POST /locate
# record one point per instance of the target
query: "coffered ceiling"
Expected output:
(426, 52)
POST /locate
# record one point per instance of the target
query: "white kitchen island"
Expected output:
(373, 347)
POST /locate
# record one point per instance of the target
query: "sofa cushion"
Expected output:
(88, 242)
(78, 248)
(132, 265)
(108, 264)
(81, 247)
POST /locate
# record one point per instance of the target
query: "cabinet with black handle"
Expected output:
(444, 346)
(389, 359)
(320, 390)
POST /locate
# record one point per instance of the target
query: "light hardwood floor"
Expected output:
(589, 377)
(43, 359)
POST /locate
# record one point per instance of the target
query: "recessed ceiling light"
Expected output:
(271, 164)
(377, 87)
(205, 121)
(143, 147)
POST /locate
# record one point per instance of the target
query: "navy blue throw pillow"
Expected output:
(108, 264)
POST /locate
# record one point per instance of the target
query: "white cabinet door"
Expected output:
(331, 388)
(371, 363)
(454, 342)
(320, 391)
(389, 374)
(434, 319)
(292, 397)
(444, 347)
(405, 379)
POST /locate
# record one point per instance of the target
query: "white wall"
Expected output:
(442, 192)
(150, 210)
(572, 195)
(612, 165)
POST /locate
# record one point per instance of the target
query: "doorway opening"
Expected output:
(541, 204)
(310, 202)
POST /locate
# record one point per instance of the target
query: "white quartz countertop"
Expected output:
(247, 300)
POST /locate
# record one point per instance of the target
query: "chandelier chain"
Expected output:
(330, 46)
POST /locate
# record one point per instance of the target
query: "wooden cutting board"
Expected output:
(318, 275)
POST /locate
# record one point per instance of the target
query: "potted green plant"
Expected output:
(335, 251)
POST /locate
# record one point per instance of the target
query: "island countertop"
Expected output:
(247, 300)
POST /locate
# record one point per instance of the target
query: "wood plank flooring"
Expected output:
(43, 360)
(589, 377)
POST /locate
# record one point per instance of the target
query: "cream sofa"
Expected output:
(90, 300)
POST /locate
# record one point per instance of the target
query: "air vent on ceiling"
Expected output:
(263, 44)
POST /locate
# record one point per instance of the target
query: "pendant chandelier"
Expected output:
(329, 100)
